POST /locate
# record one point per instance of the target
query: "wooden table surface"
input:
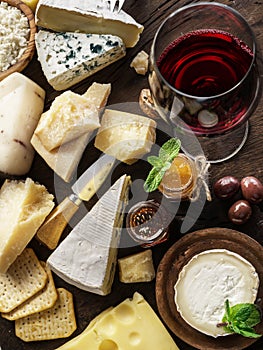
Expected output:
(126, 86)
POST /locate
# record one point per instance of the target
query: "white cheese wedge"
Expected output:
(68, 58)
(88, 255)
(24, 206)
(64, 159)
(87, 17)
(125, 136)
(130, 325)
(21, 105)
(206, 281)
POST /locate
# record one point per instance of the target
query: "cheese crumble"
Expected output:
(14, 35)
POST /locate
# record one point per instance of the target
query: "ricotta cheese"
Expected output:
(206, 281)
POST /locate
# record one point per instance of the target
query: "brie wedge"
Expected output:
(206, 281)
(88, 255)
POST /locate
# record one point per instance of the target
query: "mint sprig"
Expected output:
(161, 163)
(241, 318)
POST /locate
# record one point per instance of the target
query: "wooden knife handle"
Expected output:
(51, 230)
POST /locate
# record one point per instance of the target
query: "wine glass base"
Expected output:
(217, 148)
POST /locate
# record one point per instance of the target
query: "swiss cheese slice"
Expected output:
(205, 283)
(88, 255)
(126, 136)
(130, 325)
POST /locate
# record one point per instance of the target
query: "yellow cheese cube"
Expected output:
(131, 325)
(125, 136)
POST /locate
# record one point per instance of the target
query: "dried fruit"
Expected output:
(226, 187)
(252, 189)
(240, 212)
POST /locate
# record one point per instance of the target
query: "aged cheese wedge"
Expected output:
(130, 325)
(206, 281)
(68, 58)
(87, 17)
(64, 159)
(24, 206)
(125, 136)
(21, 105)
(88, 255)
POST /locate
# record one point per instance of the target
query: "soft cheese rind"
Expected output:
(87, 257)
(87, 17)
(24, 206)
(68, 58)
(206, 281)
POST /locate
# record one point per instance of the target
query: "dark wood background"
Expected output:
(126, 86)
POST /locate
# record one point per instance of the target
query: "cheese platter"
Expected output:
(93, 83)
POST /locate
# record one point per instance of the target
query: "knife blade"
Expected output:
(83, 190)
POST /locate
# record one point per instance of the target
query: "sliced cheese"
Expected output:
(205, 283)
(24, 206)
(125, 136)
(87, 17)
(21, 105)
(70, 116)
(131, 325)
(68, 58)
(65, 159)
(87, 257)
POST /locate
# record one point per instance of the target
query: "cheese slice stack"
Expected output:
(87, 257)
(68, 58)
(130, 325)
(87, 16)
(205, 283)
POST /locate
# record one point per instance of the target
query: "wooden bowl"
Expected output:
(29, 52)
(179, 255)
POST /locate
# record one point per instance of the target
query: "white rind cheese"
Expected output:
(205, 283)
(68, 58)
(87, 17)
(88, 255)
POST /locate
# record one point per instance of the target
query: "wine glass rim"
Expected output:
(200, 4)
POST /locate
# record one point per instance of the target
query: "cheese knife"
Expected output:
(83, 190)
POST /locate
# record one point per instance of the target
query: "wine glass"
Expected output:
(204, 78)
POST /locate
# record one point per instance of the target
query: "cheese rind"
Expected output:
(206, 281)
(125, 136)
(130, 325)
(87, 257)
(87, 17)
(24, 205)
(21, 105)
(68, 58)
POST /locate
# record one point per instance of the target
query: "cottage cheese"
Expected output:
(14, 35)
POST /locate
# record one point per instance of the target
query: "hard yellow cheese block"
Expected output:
(125, 136)
(24, 206)
(132, 325)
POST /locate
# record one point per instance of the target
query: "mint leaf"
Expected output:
(246, 332)
(155, 161)
(153, 179)
(227, 307)
(169, 150)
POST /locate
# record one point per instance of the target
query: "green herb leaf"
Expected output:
(154, 179)
(155, 161)
(246, 332)
(169, 150)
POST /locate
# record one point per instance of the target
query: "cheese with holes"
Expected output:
(70, 116)
(125, 136)
(87, 17)
(21, 105)
(131, 325)
(24, 206)
(88, 255)
(205, 283)
(64, 159)
(68, 58)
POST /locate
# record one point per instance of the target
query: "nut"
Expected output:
(147, 105)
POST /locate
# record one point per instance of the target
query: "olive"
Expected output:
(252, 189)
(240, 212)
(226, 187)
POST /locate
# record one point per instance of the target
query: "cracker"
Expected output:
(24, 278)
(54, 323)
(42, 300)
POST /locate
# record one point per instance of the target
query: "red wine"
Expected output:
(205, 63)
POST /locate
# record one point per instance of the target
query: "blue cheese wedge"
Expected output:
(87, 17)
(88, 255)
(206, 281)
(68, 58)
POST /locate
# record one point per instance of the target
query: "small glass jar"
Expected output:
(147, 223)
(179, 180)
